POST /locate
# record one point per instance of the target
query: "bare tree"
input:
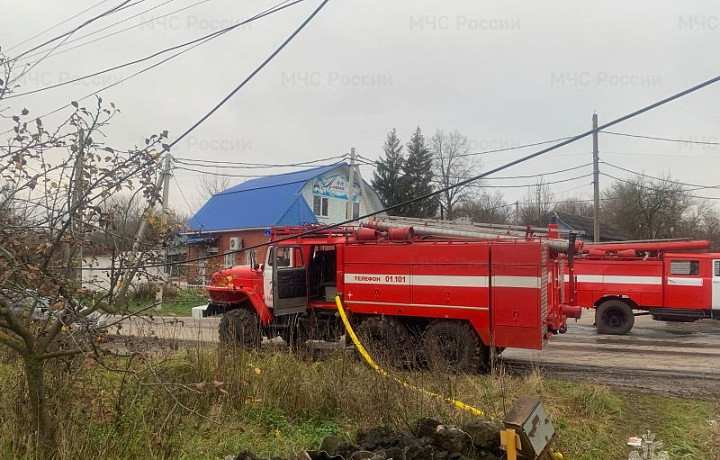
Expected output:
(575, 205)
(451, 166)
(705, 224)
(57, 191)
(536, 205)
(486, 208)
(648, 208)
(212, 184)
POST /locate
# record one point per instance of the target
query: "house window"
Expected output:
(320, 205)
(229, 259)
(717, 268)
(356, 210)
(684, 267)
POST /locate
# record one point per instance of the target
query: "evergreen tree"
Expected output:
(418, 178)
(387, 178)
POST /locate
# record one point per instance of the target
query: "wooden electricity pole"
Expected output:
(596, 181)
(165, 176)
(350, 187)
(76, 250)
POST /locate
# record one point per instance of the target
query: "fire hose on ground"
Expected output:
(510, 439)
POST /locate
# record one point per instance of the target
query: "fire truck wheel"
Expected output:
(453, 346)
(240, 327)
(614, 317)
(387, 340)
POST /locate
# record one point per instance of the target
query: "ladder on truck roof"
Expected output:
(472, 230)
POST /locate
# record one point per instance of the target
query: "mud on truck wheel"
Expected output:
(453, 346)
(387, 340)
(240, 327)
(614, 317)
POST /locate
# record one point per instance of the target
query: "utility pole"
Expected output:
(351, 179)
(363, 192)
(538, 192)
(77, 196)
(166, 182)
(596, 181)
(164, 219)
(126, 279)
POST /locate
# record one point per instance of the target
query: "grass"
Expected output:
(176, 302)
(208, 403)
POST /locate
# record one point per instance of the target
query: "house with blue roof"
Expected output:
(239, 216)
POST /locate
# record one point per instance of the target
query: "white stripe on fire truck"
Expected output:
(617, 279)
(416, 280)
(685, 281)
(420, 305)
(532, 282)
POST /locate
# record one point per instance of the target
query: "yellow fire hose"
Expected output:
(459, 404)
(383, 372)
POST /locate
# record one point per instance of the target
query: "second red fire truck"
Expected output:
(665, 279)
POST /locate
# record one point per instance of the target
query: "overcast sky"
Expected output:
(503, 73)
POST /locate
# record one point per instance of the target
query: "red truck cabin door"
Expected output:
(686, 282)
(716, 284)
(289, 280)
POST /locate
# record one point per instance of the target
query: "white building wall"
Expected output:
(333, 186)
(96, 275)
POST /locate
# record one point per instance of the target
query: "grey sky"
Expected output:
(502, 73)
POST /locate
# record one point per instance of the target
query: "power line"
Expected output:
(656, 189)
(66, 49)
(560, 181)
(217, 174)
(503, 149)
(95, 93)
(665, 139)
(56, 25)
(67, 34)
(182, 194)
(211, 163)
(267, 12)
(203, 39)
(517, 147)
(684, 155)
(685, 184)
(530, 176)
(249, 77)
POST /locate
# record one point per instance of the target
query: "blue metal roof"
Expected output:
(262, 202)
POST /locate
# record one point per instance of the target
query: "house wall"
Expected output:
(199, 272)
(96, 274)
(333, 186)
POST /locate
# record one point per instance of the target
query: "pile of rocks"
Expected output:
(478, 439)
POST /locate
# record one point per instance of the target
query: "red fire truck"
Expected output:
(412, 293)
(624, 280)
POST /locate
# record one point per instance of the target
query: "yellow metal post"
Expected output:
(510, 441)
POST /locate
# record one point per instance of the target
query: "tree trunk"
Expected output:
(44, 429)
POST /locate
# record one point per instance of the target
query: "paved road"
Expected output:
(169, 328)
(674, 358)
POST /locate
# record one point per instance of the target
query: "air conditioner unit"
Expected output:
(212, 250)
(236, 243)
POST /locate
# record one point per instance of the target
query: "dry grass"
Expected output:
(209, 402)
